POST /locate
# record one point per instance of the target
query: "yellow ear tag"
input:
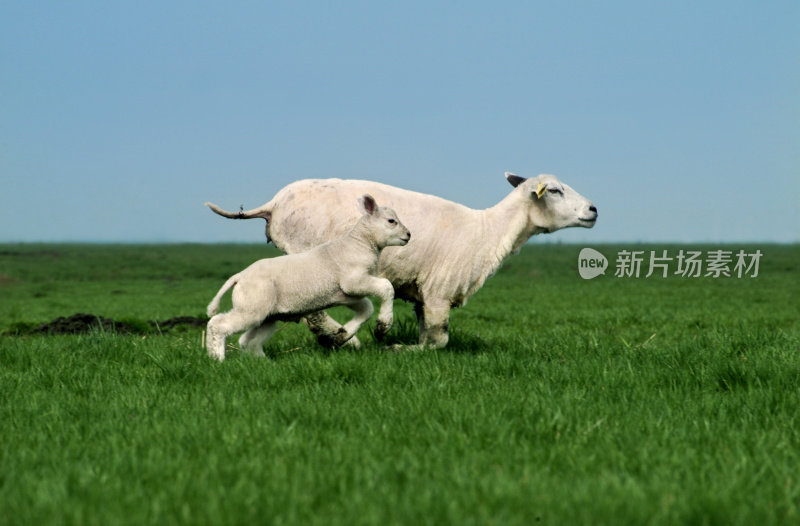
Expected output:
(541, 188)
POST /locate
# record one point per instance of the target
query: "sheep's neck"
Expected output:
(507, 226)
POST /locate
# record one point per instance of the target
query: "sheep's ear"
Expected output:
(368, 204)
(541, 188)
(514, 179)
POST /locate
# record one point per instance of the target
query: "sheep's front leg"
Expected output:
(434, 319)
(383, 289)
(420, 312)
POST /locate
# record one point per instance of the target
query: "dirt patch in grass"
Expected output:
(82, 323)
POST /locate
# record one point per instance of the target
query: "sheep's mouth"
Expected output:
(592, 220)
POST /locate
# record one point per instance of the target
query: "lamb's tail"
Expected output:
(213, 307)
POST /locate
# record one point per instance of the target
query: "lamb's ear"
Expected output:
(368, 204)
(514, 179)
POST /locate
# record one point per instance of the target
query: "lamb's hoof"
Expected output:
(326, 340)
(216, 356)
(341, 337)
(381, 330)
(352, 343)
(332, 341)
(257, 353)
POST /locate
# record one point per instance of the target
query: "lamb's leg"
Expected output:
(223, 325)
(385, 311)
(373, 286)
(434, 325)
(327, 330)
(253, 340)
(363, 310)
(215, 338)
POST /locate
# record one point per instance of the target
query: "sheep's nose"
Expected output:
(593, 209)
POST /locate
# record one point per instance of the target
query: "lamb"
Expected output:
(455, 248)
(339, 272)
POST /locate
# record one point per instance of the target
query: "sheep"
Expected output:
(339, 272)
(455, 248)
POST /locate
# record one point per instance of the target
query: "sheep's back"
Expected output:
(444, 235)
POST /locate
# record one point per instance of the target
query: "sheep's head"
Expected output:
(554, 205)
(383, 223)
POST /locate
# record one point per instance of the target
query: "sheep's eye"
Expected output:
(392, 221)
(555, 190)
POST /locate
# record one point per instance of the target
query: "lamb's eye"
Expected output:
(392, 221)
(555, 190)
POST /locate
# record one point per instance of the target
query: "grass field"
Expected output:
(558, 401)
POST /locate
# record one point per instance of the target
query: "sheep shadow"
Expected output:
(405, 334)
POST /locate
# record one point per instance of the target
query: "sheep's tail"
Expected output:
(213, 307)
(263, 211)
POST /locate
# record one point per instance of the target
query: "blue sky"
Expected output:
(118, 120)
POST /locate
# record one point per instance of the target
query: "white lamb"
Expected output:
(339, 272)
(455, 248)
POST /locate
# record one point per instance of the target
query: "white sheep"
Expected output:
(454, 250)
(339, 272)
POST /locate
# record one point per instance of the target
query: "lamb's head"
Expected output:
(553, 204)
(382, 223)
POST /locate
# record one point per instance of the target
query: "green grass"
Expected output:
(558, 401)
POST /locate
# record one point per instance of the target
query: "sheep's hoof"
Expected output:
(381, 329)
(399, 347)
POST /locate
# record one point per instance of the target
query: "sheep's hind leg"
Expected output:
(327, 330)
(253, 341)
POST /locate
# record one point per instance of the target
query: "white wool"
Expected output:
(454, 248)
(339, 272)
